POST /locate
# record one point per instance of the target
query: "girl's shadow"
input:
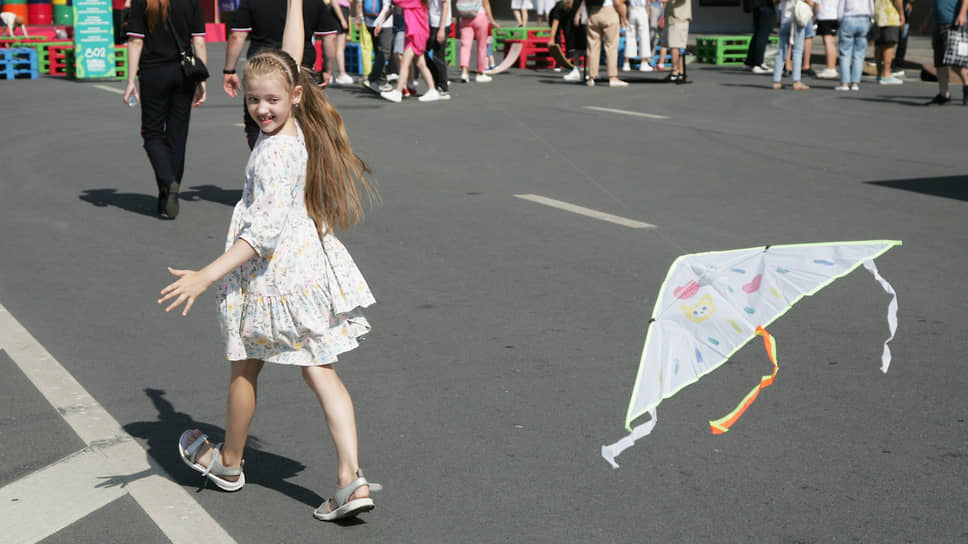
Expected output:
(262, 468)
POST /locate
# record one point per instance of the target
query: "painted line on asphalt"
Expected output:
(627, 112)
(109, 89)
(588, 212)
(113, 463)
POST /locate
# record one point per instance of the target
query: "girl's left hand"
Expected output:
(189, 286)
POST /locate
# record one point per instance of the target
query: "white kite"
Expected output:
(711, 304)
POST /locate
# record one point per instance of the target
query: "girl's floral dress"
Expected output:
(299, 300)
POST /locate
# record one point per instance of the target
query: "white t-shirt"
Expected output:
(827, 11)
(436, 8)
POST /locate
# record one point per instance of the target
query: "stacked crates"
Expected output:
(724, 50)
(20, 62)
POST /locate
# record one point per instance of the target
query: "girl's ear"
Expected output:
(297, 93)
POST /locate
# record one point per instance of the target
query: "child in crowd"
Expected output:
(520, 9)
(638, 31)
(287, 290)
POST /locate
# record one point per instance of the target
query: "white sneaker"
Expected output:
(393, 96)
(386, 87)
(761, 70)
(828, 73)
(617, 83)
(855, 86)
(573, 75)
(890, 81)
(645, 67)
(626, 67)
(842, 87)
(444, 95)
(344, 79)
(392, 77)
(483, 78)
(465, 78)
(430, 96)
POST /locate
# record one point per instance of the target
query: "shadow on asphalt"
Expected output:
(955, 187)
(261, 468)
(148, 204)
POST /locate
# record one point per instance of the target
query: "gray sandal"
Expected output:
(342, 506)
(215, 470)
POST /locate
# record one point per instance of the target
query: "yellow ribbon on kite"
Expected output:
(723, 424)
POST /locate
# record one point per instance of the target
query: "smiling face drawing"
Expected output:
(701, 311)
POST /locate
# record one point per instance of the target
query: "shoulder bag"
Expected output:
(192, 67)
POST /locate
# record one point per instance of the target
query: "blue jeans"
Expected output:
(796, 56)
(852, 44)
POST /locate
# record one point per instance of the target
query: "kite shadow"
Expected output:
(955, 187)
(261, 468)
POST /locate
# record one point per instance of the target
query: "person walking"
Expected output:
(287, 290)
(473, 18)
(414, 45)
(166, 95)
(764, 19)
(855, 21)
(382, 36)
(436, 53)
(948, 15)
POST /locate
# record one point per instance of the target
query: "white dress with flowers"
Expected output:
(299, 300)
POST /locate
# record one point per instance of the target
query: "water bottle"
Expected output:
(132, 100)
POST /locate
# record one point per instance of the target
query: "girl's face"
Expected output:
(270, 102)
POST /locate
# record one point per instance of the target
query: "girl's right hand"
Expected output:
(189, 286)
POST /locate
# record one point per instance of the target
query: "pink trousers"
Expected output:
(470, 30)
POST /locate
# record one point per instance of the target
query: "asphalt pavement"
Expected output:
(507, 332)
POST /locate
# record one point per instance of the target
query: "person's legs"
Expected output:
(807, 50)
(466, 39)
(479, 24)
(778, 64)
(612, 29)
(329, 56)
(434, 57)
(405, 63)
(797, 53)
(830, 50)
(425, 72)
(887, 59)
(157, 85)
(338, 408)
(632, 35)
(380, 53)
(860, 48)
(845, 45)
(179, 117)
(594, 33)
(240, 410)
(341, 53)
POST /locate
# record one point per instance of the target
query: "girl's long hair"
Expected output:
(156, 8)
(334, 173)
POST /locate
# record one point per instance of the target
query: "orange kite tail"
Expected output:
(723, 424)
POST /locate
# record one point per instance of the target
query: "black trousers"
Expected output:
(381, 53)
(764, 19)
(436, 56)
(166, 109)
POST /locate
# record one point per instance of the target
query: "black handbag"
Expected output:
(192, 67)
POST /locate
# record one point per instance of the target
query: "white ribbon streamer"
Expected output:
(612, 451)
(891, 313)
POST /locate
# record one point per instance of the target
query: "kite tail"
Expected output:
(612, 451)
(891, 313)
(723, 424)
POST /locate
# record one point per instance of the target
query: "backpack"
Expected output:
(372, 8)
(468, 8)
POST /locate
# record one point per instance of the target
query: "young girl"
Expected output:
(287, 290)
(474, 17)
(415, 44)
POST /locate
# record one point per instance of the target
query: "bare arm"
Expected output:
(294, 35)
(622, 13)
(198, 42)
(490, 16)
(135, 45)
(230, 82)
(191, 283)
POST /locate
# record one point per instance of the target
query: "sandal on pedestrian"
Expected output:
(799, 86)
(777, 86)
(342, 506)
(215, 471)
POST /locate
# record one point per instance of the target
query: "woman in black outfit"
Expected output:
(166, 96)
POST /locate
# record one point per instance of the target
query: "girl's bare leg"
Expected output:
(338, 407)
(239, 414)
(425, 72)
(404, 73)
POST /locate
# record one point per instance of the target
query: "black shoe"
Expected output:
(171, 199)
(162, 195)
(682, 79)
(673, 77)
(939, 99)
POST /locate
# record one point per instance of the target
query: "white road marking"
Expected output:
(113, 463)
(238, 125)
(627, 112)
(588, 212)
(109, 89)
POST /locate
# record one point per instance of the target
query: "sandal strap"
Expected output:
(343, 494)
(193, 448)
(216, 467)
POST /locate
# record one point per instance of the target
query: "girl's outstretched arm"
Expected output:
(293, 35)
(191, 283)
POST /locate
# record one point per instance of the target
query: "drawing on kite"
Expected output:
(721, 301)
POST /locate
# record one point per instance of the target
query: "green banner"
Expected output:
(93, 39)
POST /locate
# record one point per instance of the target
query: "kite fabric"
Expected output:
(711, 304)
